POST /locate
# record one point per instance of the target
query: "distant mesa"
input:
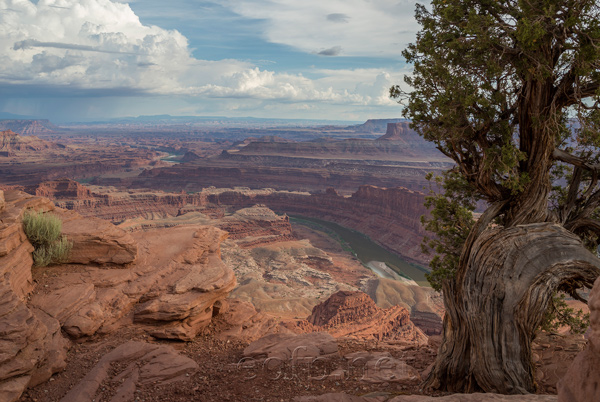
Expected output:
(376, 125)
(11, 142)
(400, 132)
(264, 138)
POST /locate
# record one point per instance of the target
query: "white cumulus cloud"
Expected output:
(90, 45)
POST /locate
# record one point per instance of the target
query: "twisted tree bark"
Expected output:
(498, 299)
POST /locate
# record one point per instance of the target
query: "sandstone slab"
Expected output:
(135, 363)
(381, 367)
(286, 347)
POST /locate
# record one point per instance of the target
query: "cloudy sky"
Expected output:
(71, 60)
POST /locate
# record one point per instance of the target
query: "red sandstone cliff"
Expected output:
(389, 216)
(60, 189)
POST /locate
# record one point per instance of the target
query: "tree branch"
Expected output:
(564, 156)
(572, 196)
(582, 224)
(566, 99)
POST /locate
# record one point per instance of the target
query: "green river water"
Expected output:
(364, 248)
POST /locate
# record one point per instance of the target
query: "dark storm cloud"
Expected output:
(338, 17)
(334, 51)
(29, 43)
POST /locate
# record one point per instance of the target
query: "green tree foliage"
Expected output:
(510, 91)
(44, 232)
(559, 314)
(451, 221)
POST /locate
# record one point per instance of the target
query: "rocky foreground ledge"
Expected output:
(113, 280)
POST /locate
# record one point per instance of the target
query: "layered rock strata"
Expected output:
(354, 314)
(28, 127)
(32, 346)
(399, 158)
(60, 189)
(171, 290)
(389, 216)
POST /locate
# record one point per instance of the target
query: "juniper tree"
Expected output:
(509, 90)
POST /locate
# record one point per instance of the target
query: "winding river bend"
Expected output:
(367, 251)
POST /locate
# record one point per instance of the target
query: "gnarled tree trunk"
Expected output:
(498, 299)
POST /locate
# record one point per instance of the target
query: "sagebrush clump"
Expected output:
(44, 232)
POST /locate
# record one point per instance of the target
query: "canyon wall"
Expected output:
(389, 216)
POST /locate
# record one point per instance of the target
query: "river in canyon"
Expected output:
(371, 254)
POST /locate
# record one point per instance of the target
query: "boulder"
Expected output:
(96, 241)
(582, 381)
(242, 321)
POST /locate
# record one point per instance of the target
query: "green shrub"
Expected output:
(44, 233)
(559, 314)
(41, 229)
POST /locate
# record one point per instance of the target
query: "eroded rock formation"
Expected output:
(389, 216)
(354, 314)
(401, 158)
(28, 127)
